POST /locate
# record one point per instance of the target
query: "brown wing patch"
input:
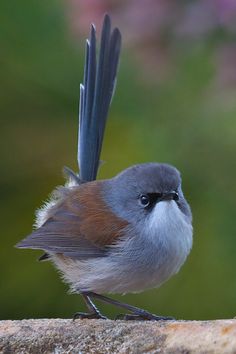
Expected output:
(79, 225)
(96, 222)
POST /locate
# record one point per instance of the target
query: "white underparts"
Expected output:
(150, 253)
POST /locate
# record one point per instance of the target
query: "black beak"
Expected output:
(170, 196)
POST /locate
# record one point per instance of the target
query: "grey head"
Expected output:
(134, 192)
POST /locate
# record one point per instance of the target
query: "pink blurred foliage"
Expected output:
(200, 18)
(226, 10)
(154, 29)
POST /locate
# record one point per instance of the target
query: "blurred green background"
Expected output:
(175, 102)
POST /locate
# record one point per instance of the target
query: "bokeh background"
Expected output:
(175, 102)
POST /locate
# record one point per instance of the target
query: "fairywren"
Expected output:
(125, 234)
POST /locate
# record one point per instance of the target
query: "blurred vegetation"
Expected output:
(186, 119)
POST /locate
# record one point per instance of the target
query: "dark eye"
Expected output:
(175, 195)
(144, 200)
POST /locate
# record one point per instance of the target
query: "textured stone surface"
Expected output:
(104, 336)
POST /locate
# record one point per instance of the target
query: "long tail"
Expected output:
(95, 97)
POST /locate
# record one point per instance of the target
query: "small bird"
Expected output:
(120, 235)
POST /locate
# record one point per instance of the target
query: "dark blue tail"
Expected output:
(95, 97)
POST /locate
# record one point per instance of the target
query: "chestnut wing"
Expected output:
(80, 226)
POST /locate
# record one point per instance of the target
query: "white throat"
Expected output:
(168, 228)
(167, 218)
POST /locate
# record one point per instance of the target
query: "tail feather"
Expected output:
(95, 97)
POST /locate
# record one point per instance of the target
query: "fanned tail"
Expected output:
(95, 97)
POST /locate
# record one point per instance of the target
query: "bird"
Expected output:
(121, 235)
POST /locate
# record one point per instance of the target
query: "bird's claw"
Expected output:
(91, 315)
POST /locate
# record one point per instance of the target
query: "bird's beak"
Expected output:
(170, 196)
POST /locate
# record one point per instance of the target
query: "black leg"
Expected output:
(93, 311)
(137, 312)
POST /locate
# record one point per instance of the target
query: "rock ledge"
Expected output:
(105, 336)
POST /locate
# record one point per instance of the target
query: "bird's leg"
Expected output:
(93, 311)
(137, 313)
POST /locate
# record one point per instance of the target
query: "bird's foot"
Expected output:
(90, 315)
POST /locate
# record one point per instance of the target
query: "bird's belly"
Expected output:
(134, 270)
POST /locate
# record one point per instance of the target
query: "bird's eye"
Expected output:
(144, 200)
(175, 196)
